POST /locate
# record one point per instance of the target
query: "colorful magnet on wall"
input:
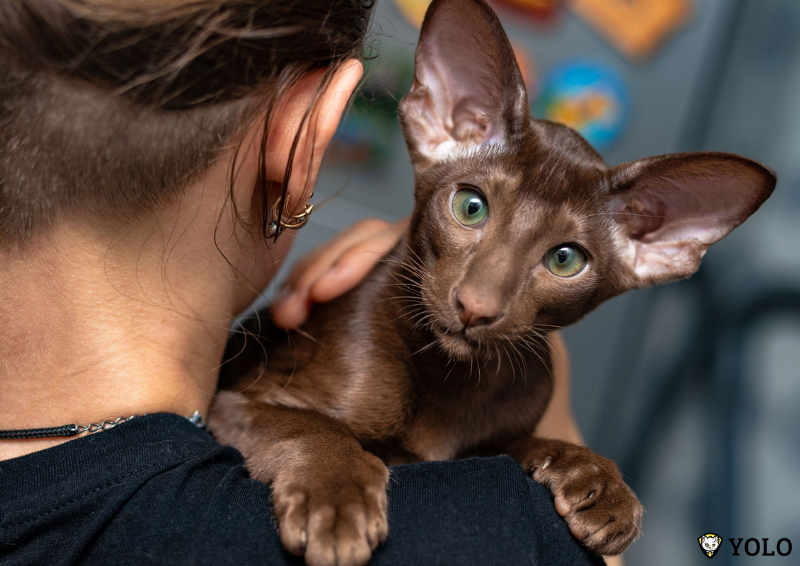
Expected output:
(364, 137)
(537, 10)
(635, 27)
(586, 96)
(360, 140)
(413, 10)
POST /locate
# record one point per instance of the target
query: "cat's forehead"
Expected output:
(529, 171)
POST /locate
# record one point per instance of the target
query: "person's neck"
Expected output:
(93, 332)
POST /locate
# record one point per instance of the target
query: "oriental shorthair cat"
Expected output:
(442, 352)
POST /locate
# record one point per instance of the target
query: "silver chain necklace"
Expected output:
(76, 429)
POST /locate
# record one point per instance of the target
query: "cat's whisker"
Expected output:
(523, 364)
(410, 272)
(403, 284)
(537, 339)
(392, 275)
(416, 256)
(422, 323)
(397, 299)
(425, 348)
(505, 351)
(523, 367)
(539, 333)
(403, 287)
(411, 263)
(402, 315)
(406, 306)
(409, 280)
(544, 363)
(411, 307)
(449, 372)
(478, 365)
(531, 346)
(409, 293)
(527, 342)
(513, 369)
(305, 334)
(414, 267)
(543, 326)
(428, 315)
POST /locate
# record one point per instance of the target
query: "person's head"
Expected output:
(167, 126)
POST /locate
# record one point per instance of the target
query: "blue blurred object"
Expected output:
(586, 96)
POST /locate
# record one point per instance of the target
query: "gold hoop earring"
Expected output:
(292, 222)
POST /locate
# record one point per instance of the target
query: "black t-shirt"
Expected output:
(158, 490)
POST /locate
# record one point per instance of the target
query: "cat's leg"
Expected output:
(329, 494)
(601, 510)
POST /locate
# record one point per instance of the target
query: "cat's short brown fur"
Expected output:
(442, 352)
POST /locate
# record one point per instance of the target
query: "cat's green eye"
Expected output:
(469, 207)
(565, 260)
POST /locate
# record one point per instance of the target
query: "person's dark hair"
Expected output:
(110, 107)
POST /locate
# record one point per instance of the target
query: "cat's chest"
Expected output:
(470, 418)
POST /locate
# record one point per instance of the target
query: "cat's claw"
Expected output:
(589, 492)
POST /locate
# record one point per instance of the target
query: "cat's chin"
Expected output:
(456, 345)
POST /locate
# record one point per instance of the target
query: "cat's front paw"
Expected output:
(333, 511)
(601, 510)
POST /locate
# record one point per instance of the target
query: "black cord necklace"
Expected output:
(75, 429)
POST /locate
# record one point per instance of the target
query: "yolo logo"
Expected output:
(752, 547)
(710, 544)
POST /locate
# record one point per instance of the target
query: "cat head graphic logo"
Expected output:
(710, 544)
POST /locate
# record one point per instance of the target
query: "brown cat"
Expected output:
(519, 228)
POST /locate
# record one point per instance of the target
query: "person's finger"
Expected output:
(290, 308)
(291, 311)
(309, 269)
(351, 267)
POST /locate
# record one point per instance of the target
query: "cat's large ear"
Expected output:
(670, 209)
(468, 89)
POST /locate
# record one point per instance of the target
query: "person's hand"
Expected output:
(334, 268)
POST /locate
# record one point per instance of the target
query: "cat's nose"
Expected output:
(474, 309)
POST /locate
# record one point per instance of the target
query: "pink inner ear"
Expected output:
(466, 95)
(671, 208)
(660, 246)
(469, 124)
(467, 86)
(665, 210)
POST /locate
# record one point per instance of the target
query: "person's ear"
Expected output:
(669, 209)
(317, 131)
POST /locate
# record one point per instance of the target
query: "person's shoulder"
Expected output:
(155, 490)
(202, 508)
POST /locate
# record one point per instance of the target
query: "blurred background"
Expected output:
(692, 388)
